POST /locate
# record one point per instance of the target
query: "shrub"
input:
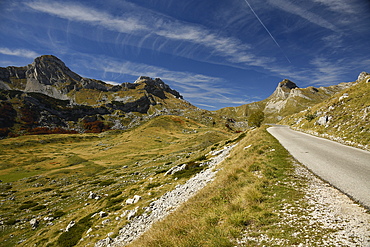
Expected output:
(38, 207)
(28, 204)
(58, 214)
(191, 168)
(71, 238)
(152, 185)
(47, 189)
(113, 202)
(11, 222)
(256, 118)
(310, 116)
(95, 127)
(107, 182)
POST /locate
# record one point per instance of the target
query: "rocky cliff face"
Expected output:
(49, 75)
(47, 94)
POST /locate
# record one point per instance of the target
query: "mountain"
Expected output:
(343, 117)
(287, 99)
(50, 76)
(47, 97)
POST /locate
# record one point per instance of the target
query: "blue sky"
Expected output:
(216, 53)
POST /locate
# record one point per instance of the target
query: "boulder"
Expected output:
(34, 223)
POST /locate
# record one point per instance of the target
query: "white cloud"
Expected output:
(146, 24)
(341, 6)
(303, 13)
(76, 12)
(18, 52)
(192, 85)
(326, 72)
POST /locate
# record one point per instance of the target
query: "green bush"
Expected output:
(58, 214)
(28, 204)
(71, 238)
(191, 168)
(152, 185)
(256, 118)
(310, 116)
(113, 202)
(11, 222)
(38, 207)
(107, 182)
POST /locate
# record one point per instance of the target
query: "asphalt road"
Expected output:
(344, 167)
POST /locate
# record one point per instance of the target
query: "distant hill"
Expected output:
(343, 117)
(287, 99)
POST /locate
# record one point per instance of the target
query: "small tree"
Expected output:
(256, 118)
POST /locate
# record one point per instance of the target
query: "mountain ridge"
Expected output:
(46, 97)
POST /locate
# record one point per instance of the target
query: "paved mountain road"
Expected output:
(346, 168)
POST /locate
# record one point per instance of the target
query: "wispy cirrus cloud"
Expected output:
(294, 9)
(192, 85)
(145, 25)
(200, 89)
(326, 72)
(18, 52)
(341, 6)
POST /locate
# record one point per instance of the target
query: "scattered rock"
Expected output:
(70, 225)
(132, 213)
(166, 204)
(323, 120)
(48, 218)
(104, 222)
(175, 169)
(102, 214)
(92, 195)
(344, 96)
(133, 200)
(34, 223)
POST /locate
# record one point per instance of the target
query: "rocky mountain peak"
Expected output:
(283, 90)
(49, 70)
(157, 87)
(287, 84)
(362, 76)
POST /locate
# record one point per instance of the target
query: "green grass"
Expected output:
(237, 200)
(57, 173)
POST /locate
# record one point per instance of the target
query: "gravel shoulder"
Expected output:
(322, 209)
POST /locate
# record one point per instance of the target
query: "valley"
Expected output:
(82, 162)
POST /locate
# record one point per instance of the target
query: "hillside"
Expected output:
(344, 117)
(287, 99)
(118, 158)
(49, 181)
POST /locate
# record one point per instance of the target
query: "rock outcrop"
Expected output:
(47, 95)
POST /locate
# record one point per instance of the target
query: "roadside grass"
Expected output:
(246, 195)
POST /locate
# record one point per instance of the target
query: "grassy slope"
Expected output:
(250, 189)
(309, 97)
(350, 120)
(52, 175)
